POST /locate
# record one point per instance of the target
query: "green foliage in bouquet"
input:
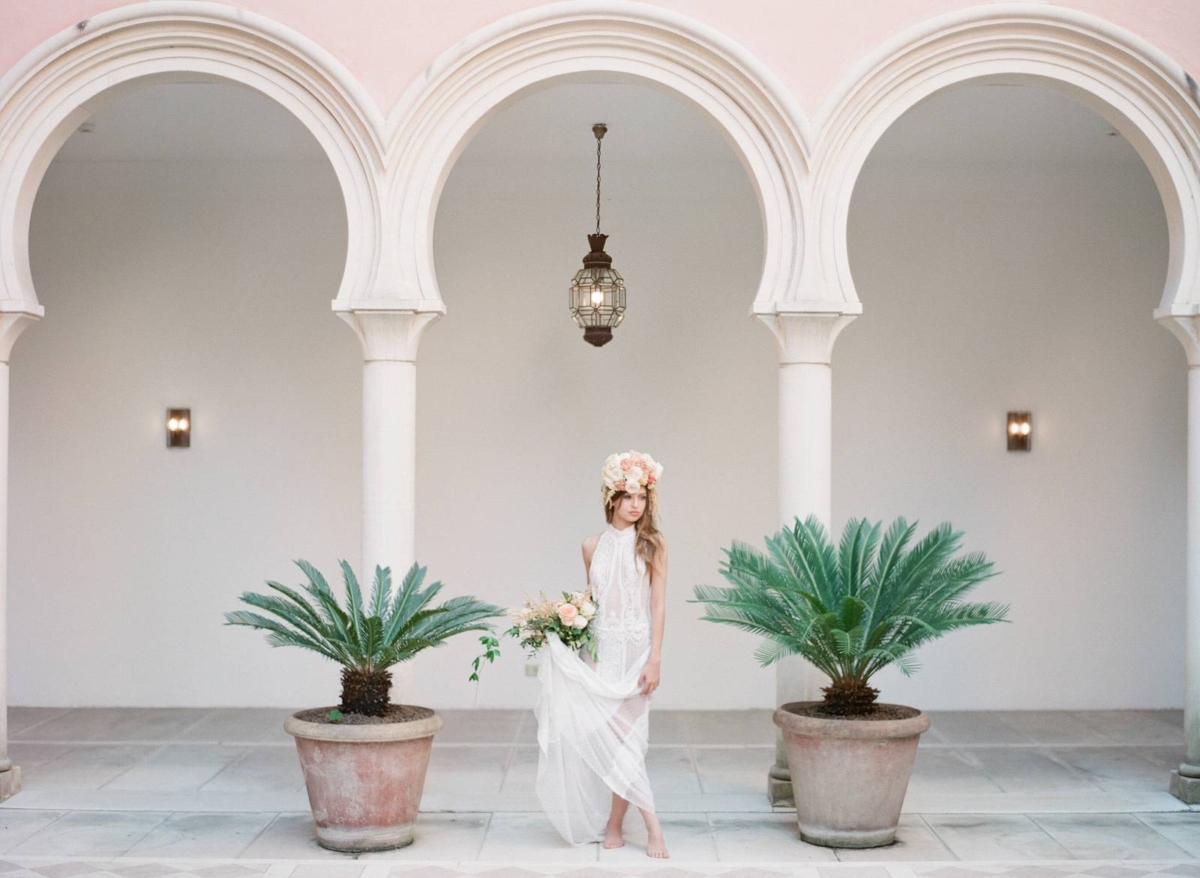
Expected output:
(366, 642)
(853, 609)
(540, 617)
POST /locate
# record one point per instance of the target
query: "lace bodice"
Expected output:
(621, 589)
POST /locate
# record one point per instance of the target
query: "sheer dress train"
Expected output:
(593, 725)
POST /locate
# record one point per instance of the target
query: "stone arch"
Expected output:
(66, 79)
(1148, 98)
(643, 43)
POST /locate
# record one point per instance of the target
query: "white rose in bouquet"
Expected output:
(580, 622)
(588, 609)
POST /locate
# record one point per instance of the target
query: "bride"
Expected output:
(593, 722)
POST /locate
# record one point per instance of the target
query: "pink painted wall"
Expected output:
(811, 45)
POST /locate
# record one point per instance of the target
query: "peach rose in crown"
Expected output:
(567, 614)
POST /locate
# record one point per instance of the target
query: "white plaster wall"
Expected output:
(518, 413)
(1022, 285)
(171, 284)
(196, 284)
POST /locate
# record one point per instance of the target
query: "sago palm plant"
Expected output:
(365, 642)
(853, 609)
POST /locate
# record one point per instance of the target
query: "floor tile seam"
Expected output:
(724, 866)
(1138, 817)
(65, 711)
(943, 842)
(1011, 791)
(228, 765)
(1072, 770)
(1082, 716)
(1082, 745)
(559, 864)
(1034, 815)
(265, 830)
(487, 828)
(66, 742)
(462, 745)
(209, 713)
(132, 844)
(131, 767)
(261, 832)
(60, 816)
(1161, 766)
(67, 752)
(232, 743)
(516, 739)
(1077, 715)
(509, 762)
(996, 716)
(691, 751)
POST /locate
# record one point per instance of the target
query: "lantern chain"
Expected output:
(598, 141)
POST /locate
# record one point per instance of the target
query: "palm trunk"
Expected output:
(365, 692)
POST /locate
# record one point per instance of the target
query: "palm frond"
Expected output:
(380, 592)
(398, 624)
(855, 608)
(354, 605)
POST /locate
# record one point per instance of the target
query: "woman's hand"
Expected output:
(648, 681)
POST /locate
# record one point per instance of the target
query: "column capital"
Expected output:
(12, 324)
(806, 336)
(1186, 328)
(388, 332)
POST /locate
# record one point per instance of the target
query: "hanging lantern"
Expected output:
(597, 291)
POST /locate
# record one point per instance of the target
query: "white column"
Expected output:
(390, 340)
(805, 342)
(11, 326)
(1185, 780)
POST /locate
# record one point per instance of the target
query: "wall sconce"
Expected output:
(179, 428)
(1020, 430)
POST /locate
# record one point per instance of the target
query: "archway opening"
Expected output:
(186, 244)
(1009, 246)
(517, 412)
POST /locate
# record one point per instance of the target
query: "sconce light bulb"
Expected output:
(1014, 428)
(173, 424)
(597, 298)
(183, 424)
(1025, 429)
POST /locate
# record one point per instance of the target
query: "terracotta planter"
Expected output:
(364, 781)
(849, 776)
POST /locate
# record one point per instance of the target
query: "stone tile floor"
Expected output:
(218, 793)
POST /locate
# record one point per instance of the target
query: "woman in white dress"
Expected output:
(593, 714)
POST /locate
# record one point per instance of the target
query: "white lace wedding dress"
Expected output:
(593, 725)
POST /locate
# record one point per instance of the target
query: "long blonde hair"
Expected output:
(649, 537)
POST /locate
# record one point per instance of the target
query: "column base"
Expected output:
(1186, 789)
(10, 782)
(779, 787)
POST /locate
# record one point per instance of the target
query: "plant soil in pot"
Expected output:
(365, 761)
(851, 610)
(849, 774)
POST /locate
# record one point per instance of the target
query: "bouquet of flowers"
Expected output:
(569, 618)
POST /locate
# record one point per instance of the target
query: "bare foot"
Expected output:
(656, 847)
(613, 837)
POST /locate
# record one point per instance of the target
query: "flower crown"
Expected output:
(629, 471)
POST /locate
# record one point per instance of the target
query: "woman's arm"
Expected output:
(589, 549)
(658, 619)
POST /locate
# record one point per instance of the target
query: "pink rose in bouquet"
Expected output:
(569, 619)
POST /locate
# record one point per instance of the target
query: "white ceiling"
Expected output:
(971, 123)
(195, 120)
